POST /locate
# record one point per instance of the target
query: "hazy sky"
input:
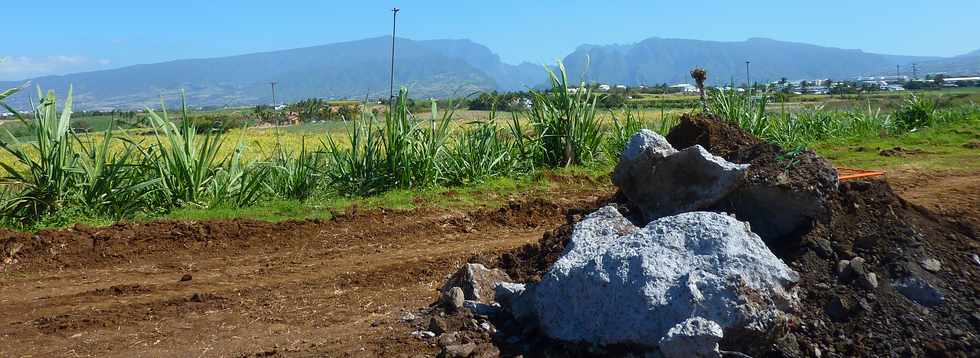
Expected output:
(61, 36)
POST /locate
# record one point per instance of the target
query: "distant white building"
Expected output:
(902, 78)
(685, 88)
(604, 88)
(961, 79)
(622, 87)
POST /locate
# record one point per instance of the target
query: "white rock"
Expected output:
(695, 337)
(932, 265)
(662, 181)
(509, 295)
(647, 143)
(617, 283)
(408, 317)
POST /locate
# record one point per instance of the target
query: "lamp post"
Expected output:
(274, 112)
(748, 80)
(391, 81)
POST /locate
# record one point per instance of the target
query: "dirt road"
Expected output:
(317, 288)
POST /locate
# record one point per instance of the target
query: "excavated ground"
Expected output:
(249, 288)
(341, 287)
(838, 317)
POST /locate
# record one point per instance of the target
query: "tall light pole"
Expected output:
(391, 81)
(273, 84)
(748, 80)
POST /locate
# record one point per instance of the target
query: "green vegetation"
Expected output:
(810, 125)
(948, 145)
(207, 167)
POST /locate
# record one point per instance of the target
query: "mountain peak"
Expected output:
(974, 53)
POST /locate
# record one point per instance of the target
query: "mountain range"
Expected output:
(440, 68)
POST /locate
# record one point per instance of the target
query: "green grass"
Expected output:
(487, 195)
(942, 148)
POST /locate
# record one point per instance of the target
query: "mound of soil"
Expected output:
(838, 316)
(784, 192)
(800, 170)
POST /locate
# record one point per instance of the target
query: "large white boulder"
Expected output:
(662, 181)
(620, 284)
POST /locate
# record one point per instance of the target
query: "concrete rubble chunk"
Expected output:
(918, 290)
(620, 284)
(695, 337)
(662, 181)
(477, 282)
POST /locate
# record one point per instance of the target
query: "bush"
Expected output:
(216, 122)
(916, 112)
(564, 126)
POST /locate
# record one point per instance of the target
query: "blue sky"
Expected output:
(58, 36)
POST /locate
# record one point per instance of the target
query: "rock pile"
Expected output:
(620, 284)
(806, 267)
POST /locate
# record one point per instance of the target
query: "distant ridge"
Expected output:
(657, 60)
(456, 67)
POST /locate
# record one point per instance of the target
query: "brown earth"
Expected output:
(297, 288)
(329, 288)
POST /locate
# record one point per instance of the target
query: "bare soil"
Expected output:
(340, 287)
(249, 288)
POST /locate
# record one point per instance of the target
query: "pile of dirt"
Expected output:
(801, 170)
(904, 251)
(783, 193)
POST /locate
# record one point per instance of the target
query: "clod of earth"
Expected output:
(620, 284)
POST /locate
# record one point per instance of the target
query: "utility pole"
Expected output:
(748, 80)
(275, 117)
(915, 74)
(391, 81)
(897, 72)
